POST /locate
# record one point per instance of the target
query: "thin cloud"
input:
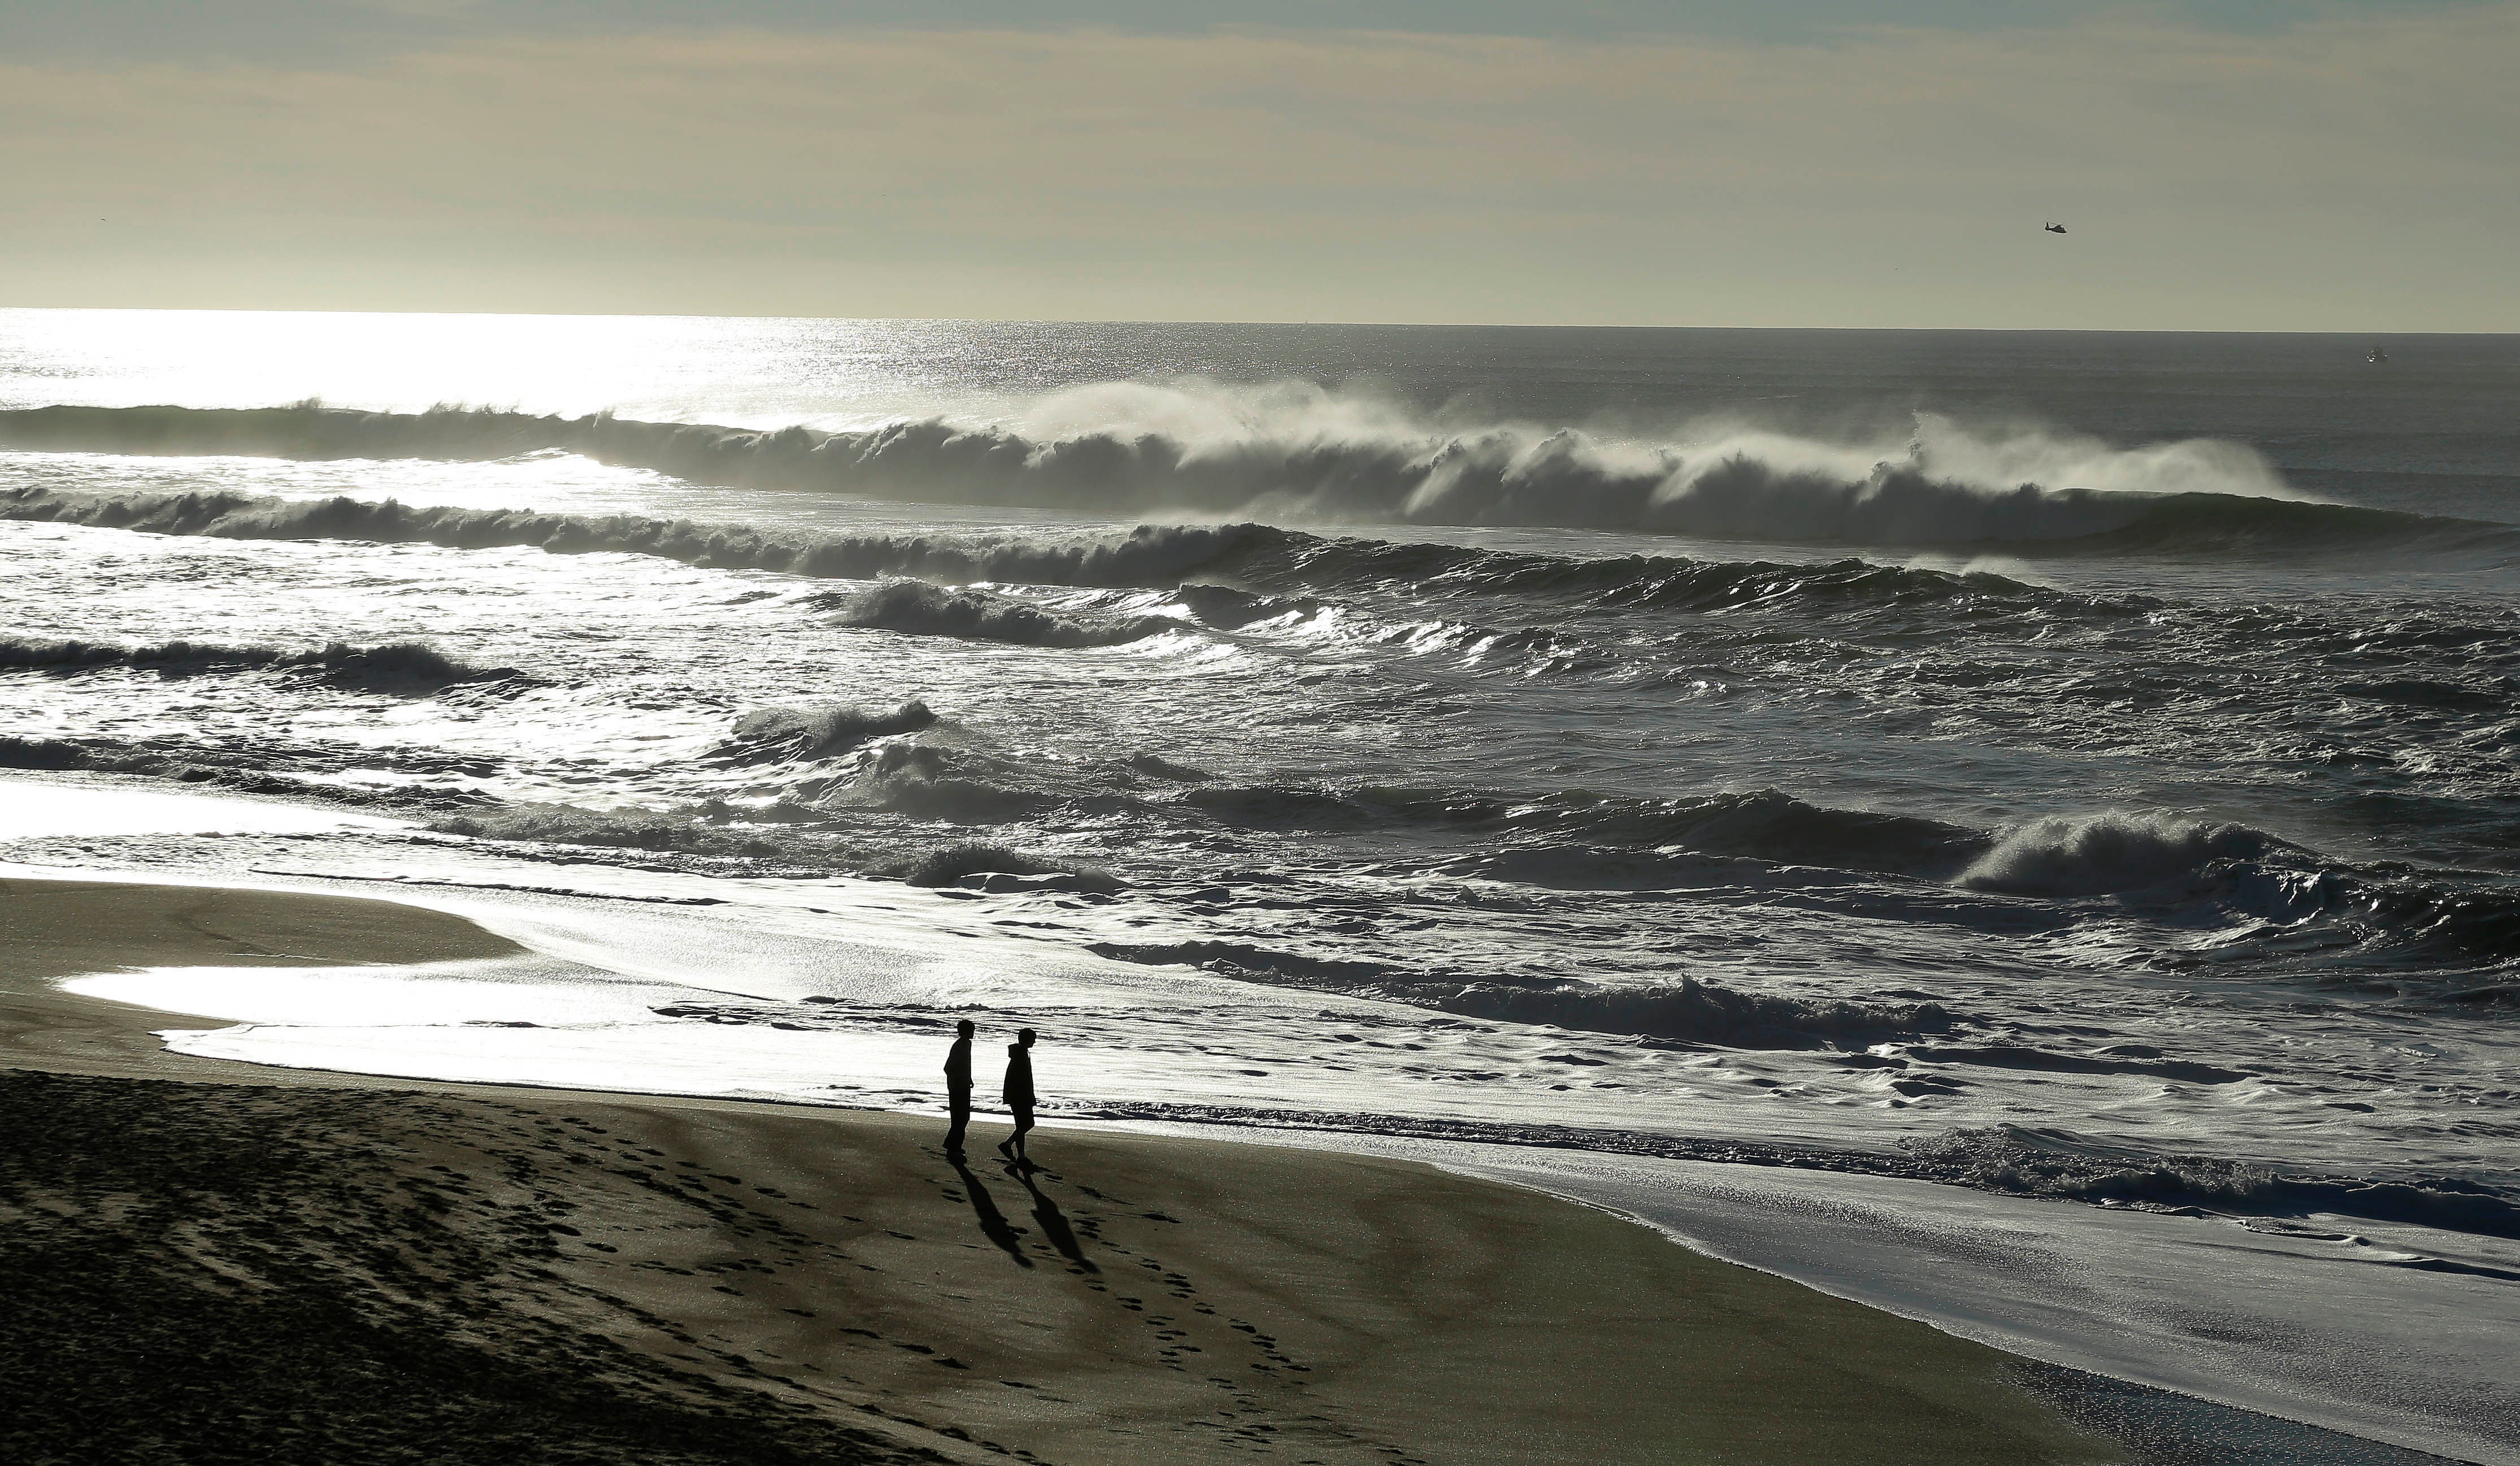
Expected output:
(1880, 177)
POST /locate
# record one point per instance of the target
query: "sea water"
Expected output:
(2055, 765)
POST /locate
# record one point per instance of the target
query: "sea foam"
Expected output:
(1943, 485)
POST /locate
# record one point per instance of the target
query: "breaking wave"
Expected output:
(721, 838)
(918, 609)
(783, 735)
(403, 665)
(1274, 572)
(2035, 1161)
(2238, 892)
(1989, 1160)
(971, 862)
(1687, 1012)
(1130, 450)
(2154, 860)
(2113, 851)
(1690, 1011)
(921, 781)
(245, 770)
(651, 830)
(1762, 824)
(1150, 556)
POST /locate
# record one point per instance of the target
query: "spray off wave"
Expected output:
(1299, 454)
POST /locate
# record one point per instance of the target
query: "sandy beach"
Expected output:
(1765, 734)
(219, 1261)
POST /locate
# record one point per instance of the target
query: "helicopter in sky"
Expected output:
(2055, 228)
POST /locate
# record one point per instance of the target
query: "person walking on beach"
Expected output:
(1018, 1097)
(958, 1088)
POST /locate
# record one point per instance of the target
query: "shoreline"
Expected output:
(1393, 1312)
(2013, 1408)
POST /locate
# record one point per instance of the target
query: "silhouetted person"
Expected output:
(1018, 1097)
(958, 1088)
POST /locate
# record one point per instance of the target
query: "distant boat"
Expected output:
(2379, 356)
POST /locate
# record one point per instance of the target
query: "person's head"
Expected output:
(1024, 1038)
(966, 1028)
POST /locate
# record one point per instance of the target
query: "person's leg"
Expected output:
(1023, 1128)
(960, 1109)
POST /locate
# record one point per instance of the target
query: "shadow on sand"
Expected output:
(993, 1223)
(1046, 1214)
(1051, 1220)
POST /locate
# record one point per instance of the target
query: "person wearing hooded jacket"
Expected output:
(1018, 1093)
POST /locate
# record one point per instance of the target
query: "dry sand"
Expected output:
(206, 1263)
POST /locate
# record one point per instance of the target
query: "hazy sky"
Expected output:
(2285, 164)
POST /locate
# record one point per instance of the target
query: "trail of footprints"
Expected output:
(432, 1257)
(1247, 1419)
(527, 1225)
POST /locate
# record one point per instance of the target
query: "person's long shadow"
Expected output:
(993, 1223)
(1054, 1223)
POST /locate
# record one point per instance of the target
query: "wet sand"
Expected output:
(227, 1263)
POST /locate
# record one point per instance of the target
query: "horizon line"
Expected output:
(690, 315)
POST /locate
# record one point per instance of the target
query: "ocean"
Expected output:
(2069, 775)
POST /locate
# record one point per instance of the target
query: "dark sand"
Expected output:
(204, 1262)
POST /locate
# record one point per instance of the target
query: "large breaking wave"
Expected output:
(1170, 557)
(2238, 891)
(1221, 576)
(1150, 556)
(1130, 450)
(1190, 559)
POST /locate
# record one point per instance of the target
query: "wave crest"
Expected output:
(1132, 451)
(1694, 1012)
(2109, 852)
(393, 665)
(1148, 555)
(1684, 1012)
(2046, 1161)
(916, 608)
(242, 770)
(1762, 824)
(783, 735)
(970, 863)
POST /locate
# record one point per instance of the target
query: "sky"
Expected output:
(2218, 165)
